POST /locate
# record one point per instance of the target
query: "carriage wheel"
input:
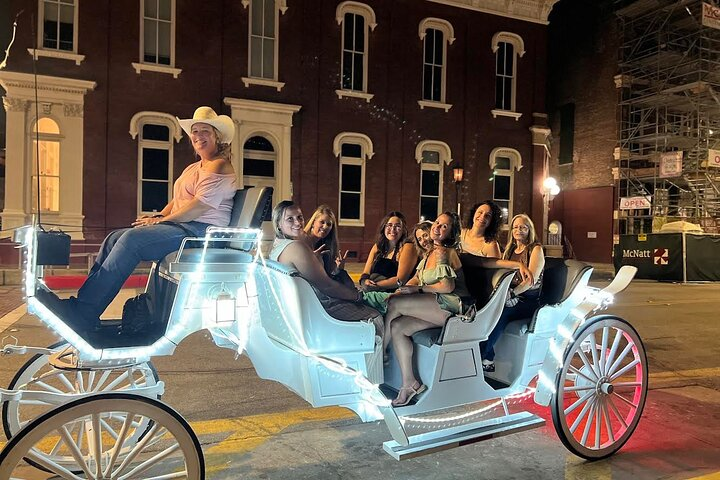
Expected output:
(601, 388)
(38, 375)
(169, 449)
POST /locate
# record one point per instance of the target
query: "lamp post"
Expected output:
(458, 178)
(550, 188)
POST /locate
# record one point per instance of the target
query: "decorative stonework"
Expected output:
(46, 107)
(73, 110)
(536, 11)
(13, 104)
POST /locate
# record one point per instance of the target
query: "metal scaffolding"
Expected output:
(669, 101)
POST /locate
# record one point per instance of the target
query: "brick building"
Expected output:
(367, 107)
(582, 105)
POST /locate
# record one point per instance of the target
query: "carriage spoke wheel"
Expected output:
(601, 388)
(38, 375)
(168, 450)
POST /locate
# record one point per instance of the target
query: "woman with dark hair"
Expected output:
(434, 294)
(479, 237)
(322, 233)
(524, 294)
(391, 260)
(421, 237)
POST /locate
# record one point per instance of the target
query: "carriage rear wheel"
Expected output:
(37, 374)
(601, 388)
(169, 449)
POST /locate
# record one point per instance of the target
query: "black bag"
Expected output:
(137, 314)
(53, 248)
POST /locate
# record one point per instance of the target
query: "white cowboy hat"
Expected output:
(222, 123)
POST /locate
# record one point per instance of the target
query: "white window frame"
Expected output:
(446, 28)
(355, 8)
(43, 51)
(155, 118)
(515, 165)
(35, 175)
(518, 52)
(366, 153)
(280, 8)
(156, 67)
(445, 155)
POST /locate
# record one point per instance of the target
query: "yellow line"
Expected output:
(249, 432)
(709, 476)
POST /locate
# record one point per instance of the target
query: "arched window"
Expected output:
(356, 20)
(352, 149)
(507, 47)
(432, 156)
(46, 171)
(503, 163)
(436, 34)
(155, 132)
(259, 164)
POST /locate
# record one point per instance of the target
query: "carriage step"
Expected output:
(436, 441)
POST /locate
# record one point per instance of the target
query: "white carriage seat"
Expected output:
(250, 207)
(488, 287)
(561, 278)
(292, 315)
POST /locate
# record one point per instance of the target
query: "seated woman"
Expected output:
(378, 300)
(323, 236)
(292, 247)
(435, 293)
(524, 295)
(202, 196)
(421, 238)
(391, 260)
(479, 237)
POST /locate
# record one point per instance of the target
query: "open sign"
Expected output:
(632, 203)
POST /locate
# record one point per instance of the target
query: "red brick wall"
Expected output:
(211, 50)
(585, 212)
(583, 46)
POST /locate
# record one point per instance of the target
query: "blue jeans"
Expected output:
(122, 251)
(529, 301)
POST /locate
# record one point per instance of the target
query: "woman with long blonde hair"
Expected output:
(523, 296)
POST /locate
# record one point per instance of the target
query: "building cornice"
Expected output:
(535, 11)
(26, 82)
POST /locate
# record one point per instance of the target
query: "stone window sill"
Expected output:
(506, 113)
(139, 67)
(263, 82)
(352, 93)
(78, 59)
(431, 104)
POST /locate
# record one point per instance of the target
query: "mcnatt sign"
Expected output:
(710, 16)
(632, 203)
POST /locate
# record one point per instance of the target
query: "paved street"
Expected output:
(251, 428)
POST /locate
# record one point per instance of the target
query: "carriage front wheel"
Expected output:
(601, 388)
(38, 375)
(169, 449)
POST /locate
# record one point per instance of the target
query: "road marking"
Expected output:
(660, 379)
(12, 317)
(709, 476)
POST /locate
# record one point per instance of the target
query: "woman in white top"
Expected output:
(479, 237)
(293, 247)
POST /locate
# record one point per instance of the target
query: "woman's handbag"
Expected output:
(53, 247)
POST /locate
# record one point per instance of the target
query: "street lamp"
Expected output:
(550, 188)
(458, 178)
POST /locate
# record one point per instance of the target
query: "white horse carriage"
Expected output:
(90, 407)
